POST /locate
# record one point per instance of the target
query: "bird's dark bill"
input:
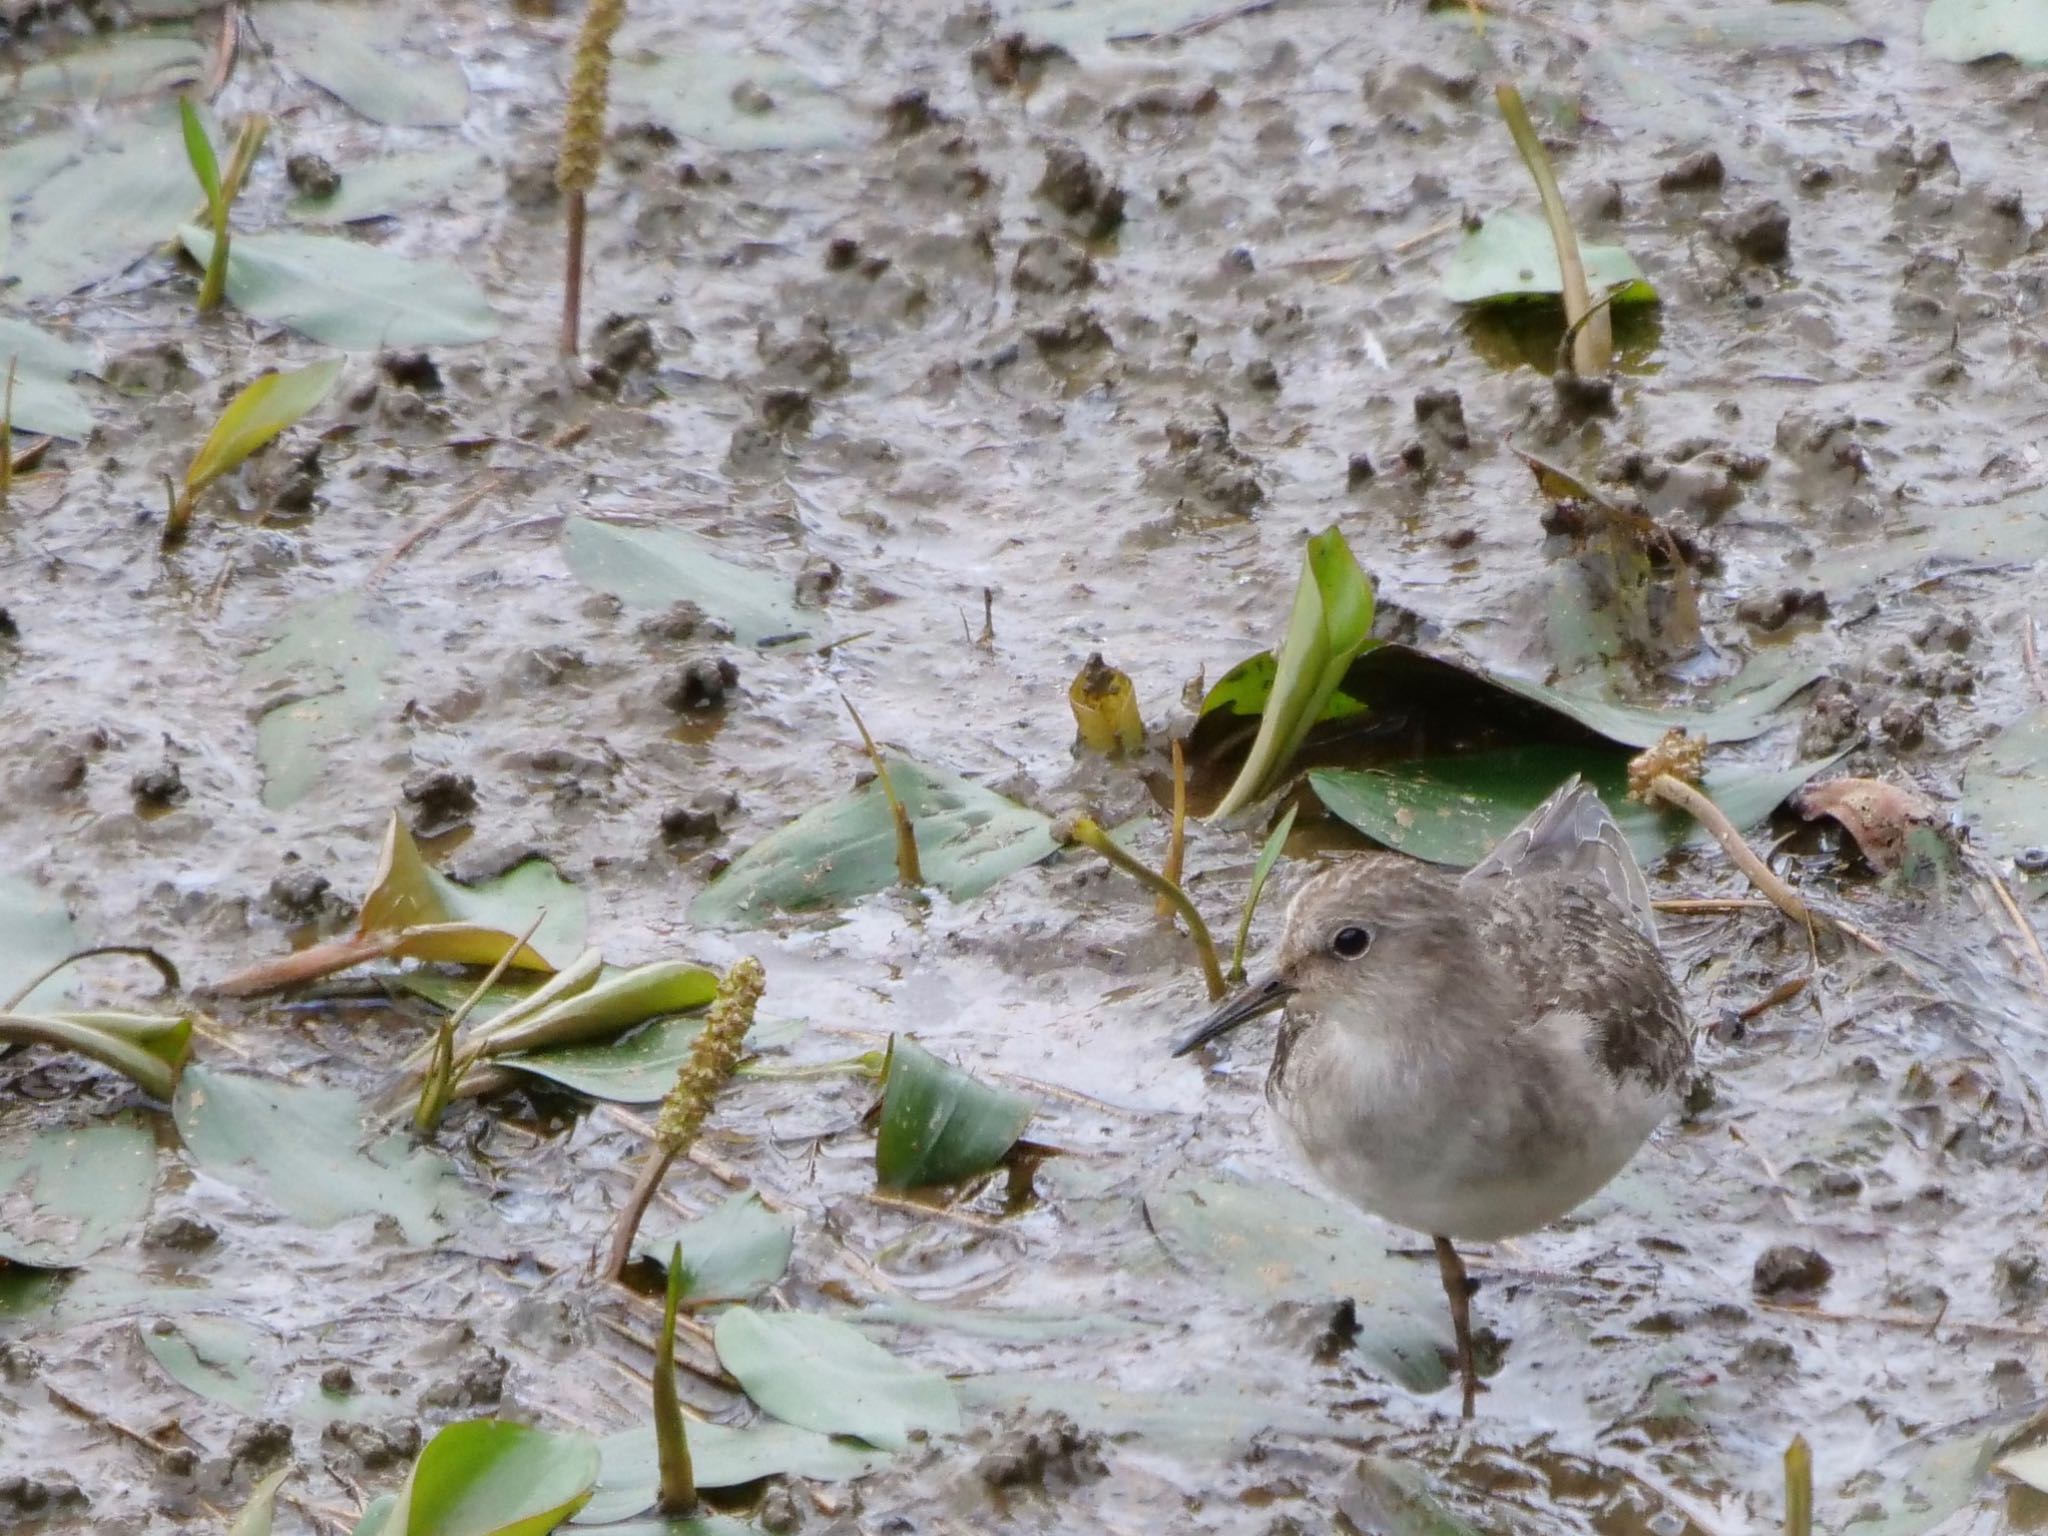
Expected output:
(1261, 996)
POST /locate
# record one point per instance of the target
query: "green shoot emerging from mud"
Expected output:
(252, 419)
(909, 869)
(199, 151)
(1798, 1488)
(1089, 833)
(671, 1440)
(582, 147)
(688, 1105)
(439, 1085)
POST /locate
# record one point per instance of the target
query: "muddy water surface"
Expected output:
(902, 367)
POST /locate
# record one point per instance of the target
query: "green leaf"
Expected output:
(821, 1374)
(35, 933)
(134, 63)
(1453, 809)
(1269, 855)
(968, 838)
(45, 399)
(1393, 1498)
(485, 1477)
(939, 1125)
(733, 1252)
(378, 188)
(255, 416)
(617, 1001)
(2005, 788)
(1331, 623)
(216, 1357)
(1512, 256)
(307, 1151)
(67, 1192)
(148, 1049)
(199, 155)
(407, 892)
(722, 1458)
(256, 1516)
(351, 52)
(333, 665)
(103, 211)
(1197, 1424)
(349, 295)
(732, 101)
(655, 568)
(1965, 30)
(1268, 1242)
(638, 1068)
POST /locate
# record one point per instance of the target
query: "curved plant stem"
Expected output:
(1593, 346)
(1177, 839)
(1088, 831)
(909, 869)
(1676, 792)
(162, 965)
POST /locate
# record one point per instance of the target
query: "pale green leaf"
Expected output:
(257, 415)
(732, 101)
(1513, 256)
(199, 154)
(124, 64)
(487, 1477)
(375, 189)
(35, 933)
(655, 568)
(407, 892)
(45, 399)
(733, 1252)
(218, 1358)
(1965, 30)
(107, 207)
(257, 1515)
(67, 1192)
(638, 1068)
(722, 1457)
(345, 294)
(333, 663)
(822, 1374)
(359, 54)
(2005, 788)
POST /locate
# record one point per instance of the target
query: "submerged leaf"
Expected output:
(1267, 1243)
(306, 1150)
(132, 63)
(376, 189)
(2005, 788)
(656, 568)
(1331, 623)
(1198, 1424)
(333, 662)
(968, 838)
(1453, 809)
(733, 1252)
(733, 101)
(110, 202)
(1512, 256)
(255, 416)
(216, 1357)
(66, 1193)
(822, 1374)
(488, 1477)
(722, 1457)
(35, 933)
(349, 295)
(45, 399)
(350, 51)
(1963, 31)
(940, 1125)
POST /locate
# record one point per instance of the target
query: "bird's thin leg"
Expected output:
(1459, 1291)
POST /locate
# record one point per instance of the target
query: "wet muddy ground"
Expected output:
(1102, 330)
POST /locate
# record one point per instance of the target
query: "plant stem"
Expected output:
(7, 435)
(441, 1077)
(671, 1440)
(1088, 831)
(1593, 346)
(1676, 792)
(1798, 1488)
(1260, 871)
(645, 1183)
(572, 276)
(909, 870)
(1177, 839)
(583, 146)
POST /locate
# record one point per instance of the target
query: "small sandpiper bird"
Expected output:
(1473, 1055)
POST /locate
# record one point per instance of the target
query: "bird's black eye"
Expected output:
(1350, 943)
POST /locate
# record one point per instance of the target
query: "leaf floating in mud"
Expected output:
(216, 1357)
(656, 568)
(1963, 31)
(2005, 788)
(407, 892)
(35, 933)
(722, 1458)
(1331, 623)
(329, 43)
(45, 399)
(1199, 1424)
(103, 206)
(1105, 707)
(376, 189)
(731, 1253)
(66, 1193)
(1271, 1243)
(1512, 256)
(126, 64)
(1452, 809)
(257, 1515)
(967, 839)
(487, 1477)
(822, 1374)
(733, 101)
(349, 295)
(334, 664)
(639, 1068)
(939, 1125)
(306, 1151)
